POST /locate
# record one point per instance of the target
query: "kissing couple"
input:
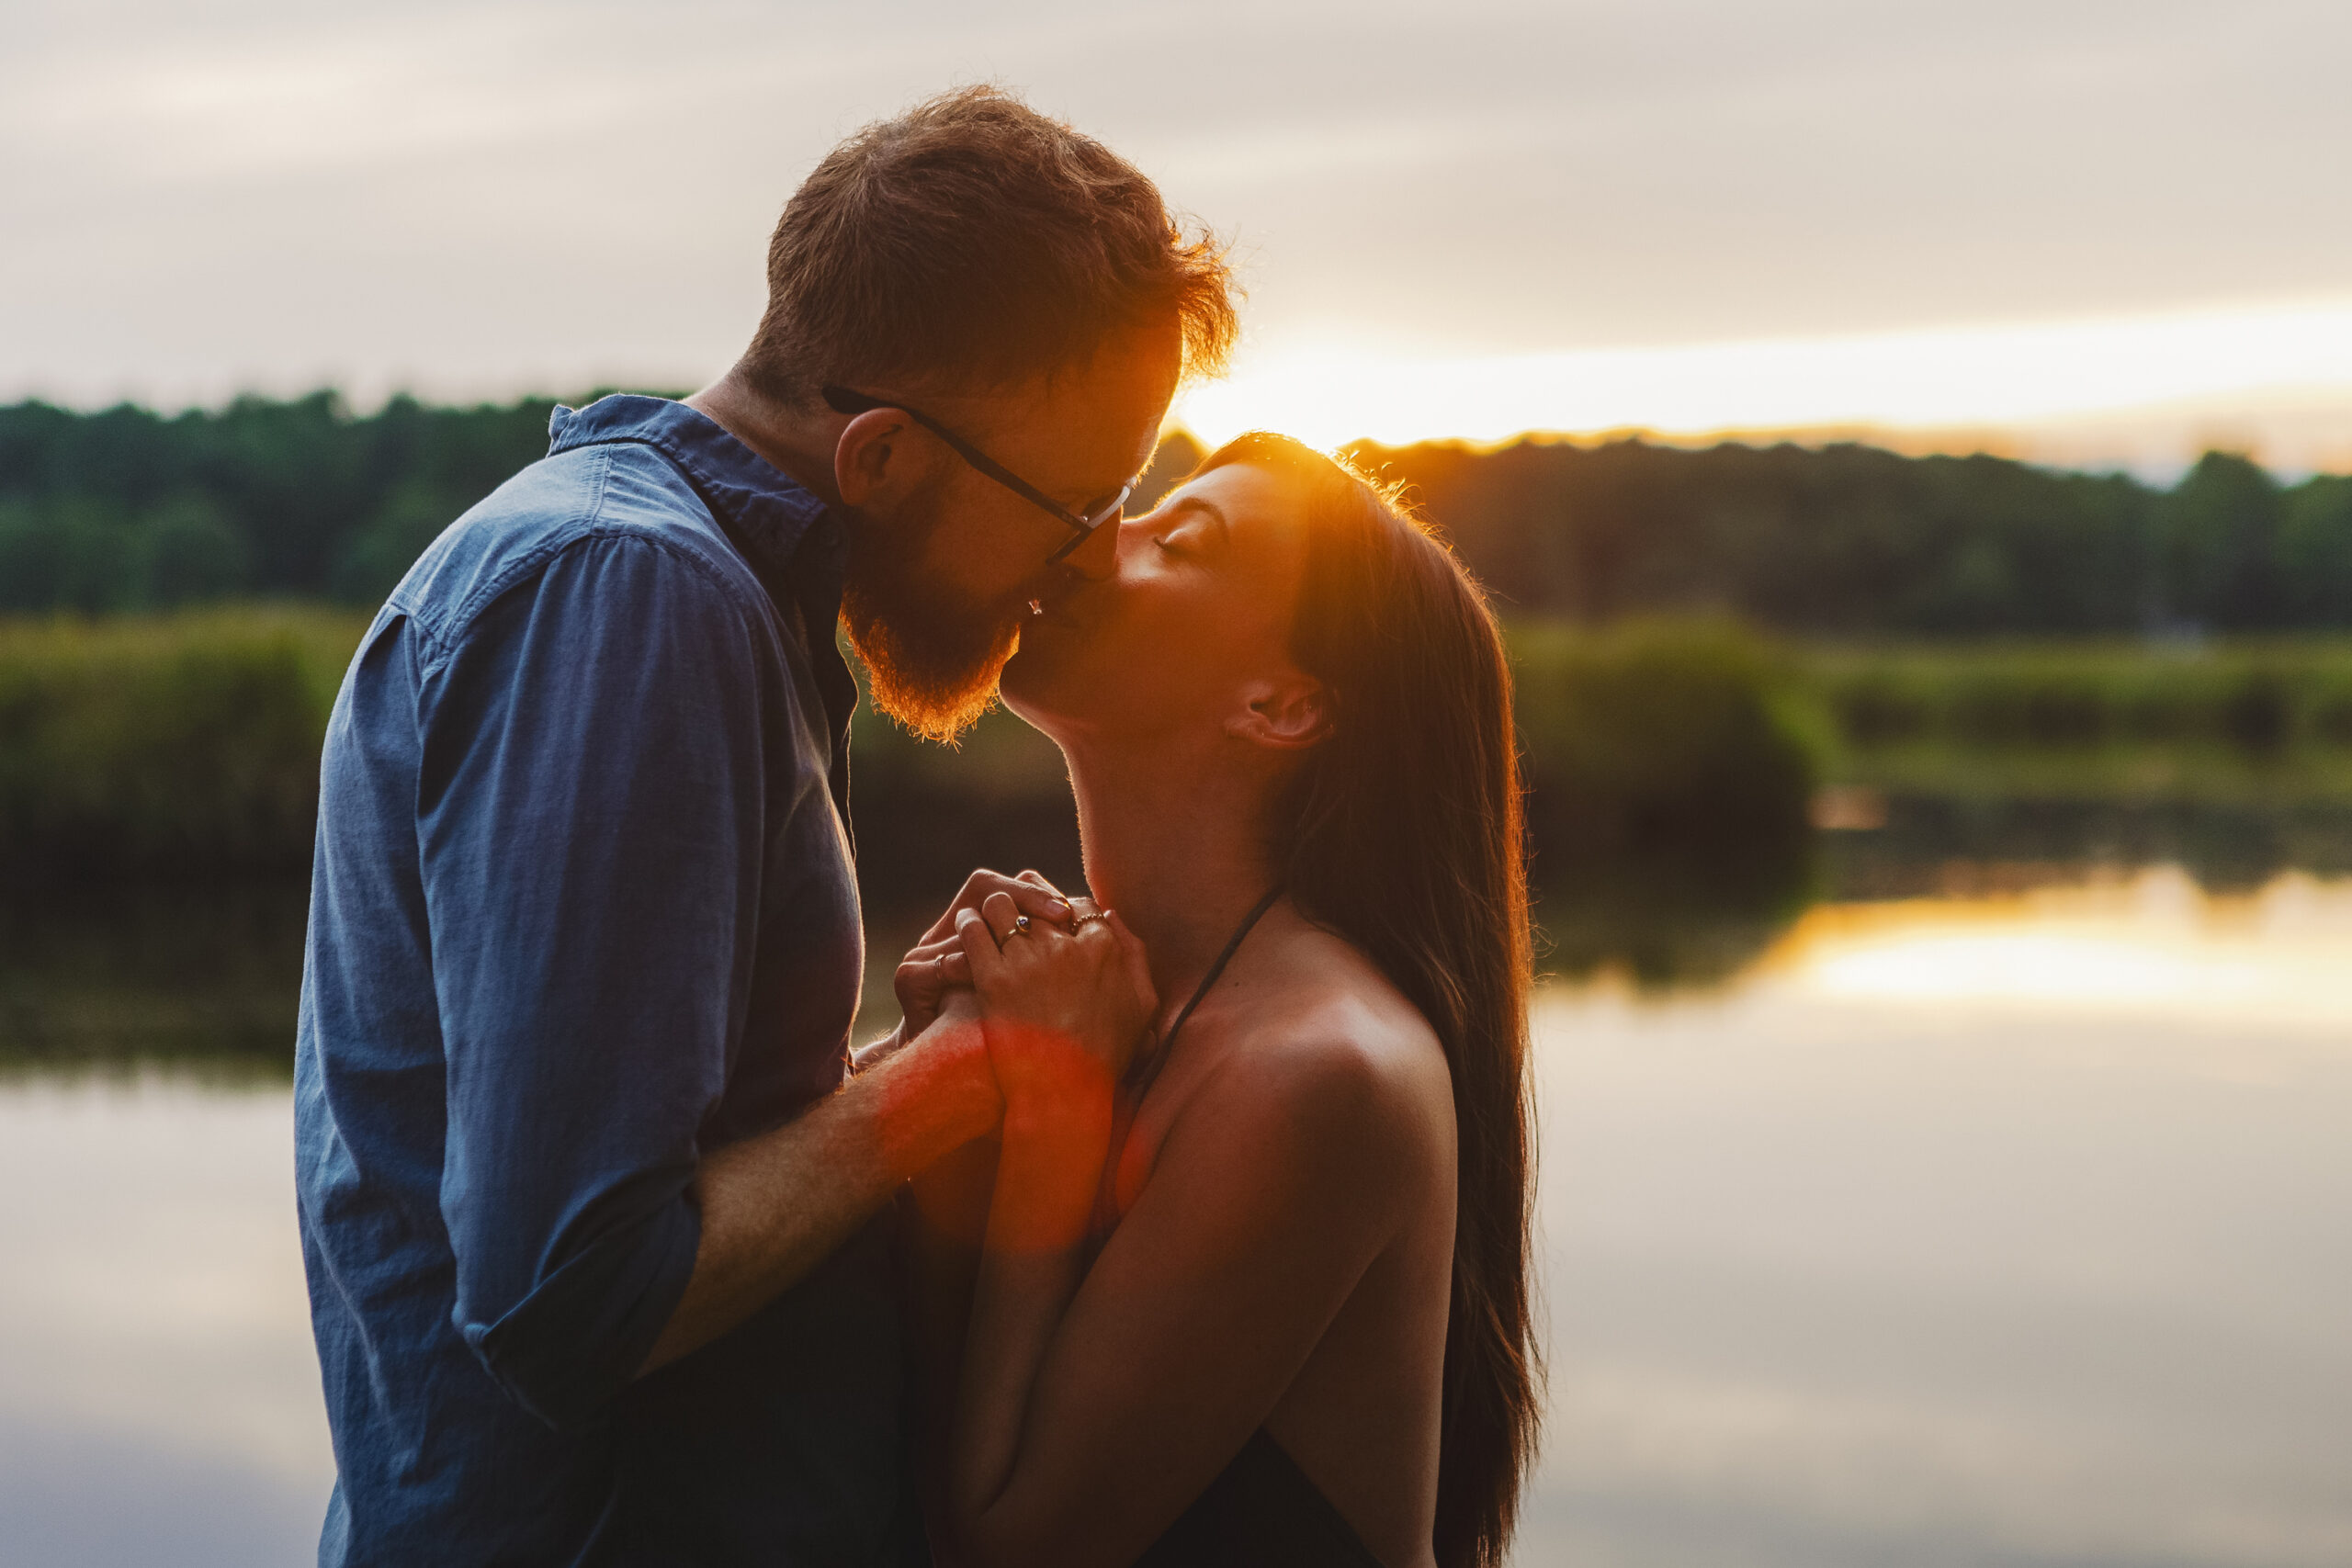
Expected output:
(1183, 1220)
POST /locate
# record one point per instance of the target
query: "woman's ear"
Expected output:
(1289, 715)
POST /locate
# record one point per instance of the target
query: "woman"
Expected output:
(1258, 1293)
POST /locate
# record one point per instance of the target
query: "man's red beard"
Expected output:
(931, 655)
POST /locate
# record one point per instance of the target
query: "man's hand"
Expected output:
(935, 966)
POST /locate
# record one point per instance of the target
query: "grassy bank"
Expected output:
(147, 764)
(2256, 696)
(2252, 723)
(177, 744)
(188, 744)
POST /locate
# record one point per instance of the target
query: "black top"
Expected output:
(1261, 1508)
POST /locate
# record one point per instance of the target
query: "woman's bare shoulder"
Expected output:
(1326, 1036)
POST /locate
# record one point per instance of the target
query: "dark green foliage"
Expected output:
(2219, 535)
(1671, 764)
(2252, 696)
(2315, 552)
(181, 745)
(126, 509)
(1670, 776)
(1659, 735)
(1849, 539)
(1669, 767)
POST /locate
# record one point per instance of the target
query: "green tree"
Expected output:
(2220, 534)
(2315, 550)
(192, 554)
(379, 554)
(69, 553)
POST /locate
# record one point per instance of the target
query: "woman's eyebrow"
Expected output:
(1216, 514)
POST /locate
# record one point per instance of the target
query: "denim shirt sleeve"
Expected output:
(590, 812)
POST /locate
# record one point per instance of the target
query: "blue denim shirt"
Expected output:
(583, 911)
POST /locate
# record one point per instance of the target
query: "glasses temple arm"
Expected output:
(996, 471)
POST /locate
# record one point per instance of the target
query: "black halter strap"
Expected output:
(1150, 1064)
(1145, 1070)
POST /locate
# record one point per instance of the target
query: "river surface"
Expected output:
(1954, 1231)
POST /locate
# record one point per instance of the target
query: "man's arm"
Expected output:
(592, 816)
(775, 1206)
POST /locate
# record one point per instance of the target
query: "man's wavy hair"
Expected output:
(973, 242)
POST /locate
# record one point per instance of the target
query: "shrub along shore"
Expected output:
(158, 783)
(187, 744)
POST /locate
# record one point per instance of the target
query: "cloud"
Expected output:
(476, 199)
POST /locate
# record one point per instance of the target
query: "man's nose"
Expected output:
(1097, 557)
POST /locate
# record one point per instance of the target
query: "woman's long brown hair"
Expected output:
(1402, 834)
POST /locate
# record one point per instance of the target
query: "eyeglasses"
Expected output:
(841, 399)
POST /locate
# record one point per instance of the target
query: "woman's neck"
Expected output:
(1174, 842)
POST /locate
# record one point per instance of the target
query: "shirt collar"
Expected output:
(772, 512)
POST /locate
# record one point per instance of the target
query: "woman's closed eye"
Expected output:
(1186, 536)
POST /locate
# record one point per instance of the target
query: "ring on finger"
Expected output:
(1019, 925)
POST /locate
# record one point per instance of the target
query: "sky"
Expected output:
(2099, 233)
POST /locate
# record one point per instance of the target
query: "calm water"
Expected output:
(2008, 1230)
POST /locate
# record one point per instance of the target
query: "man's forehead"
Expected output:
(1106, 413)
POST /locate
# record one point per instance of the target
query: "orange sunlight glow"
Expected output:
(2217, 363)
(2155, 944)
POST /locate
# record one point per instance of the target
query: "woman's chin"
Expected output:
(1025, 682)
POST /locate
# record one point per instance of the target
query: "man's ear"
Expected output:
(1289, 715)
(870, 463)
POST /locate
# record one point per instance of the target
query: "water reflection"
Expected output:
(198, 974)
(2007, 1227)
(2116, 945)
(2006, 1231)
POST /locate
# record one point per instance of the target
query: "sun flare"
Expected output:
(2211, 367)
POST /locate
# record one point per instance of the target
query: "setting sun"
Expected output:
(2235, 374)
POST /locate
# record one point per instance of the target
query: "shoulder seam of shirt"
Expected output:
(585, 527)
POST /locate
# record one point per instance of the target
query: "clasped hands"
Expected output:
(1059, 989)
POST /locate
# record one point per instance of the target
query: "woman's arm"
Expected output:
(942, 1217)
(1060, 1013)
(1094, 1410)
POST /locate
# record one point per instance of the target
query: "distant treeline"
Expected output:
(127, 509)
(1851, 539)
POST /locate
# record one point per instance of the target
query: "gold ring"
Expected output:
(1019, 925)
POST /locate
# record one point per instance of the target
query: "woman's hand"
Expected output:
(934, 968)
(1063, 1009)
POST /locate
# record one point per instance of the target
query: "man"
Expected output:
(587, 1194)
